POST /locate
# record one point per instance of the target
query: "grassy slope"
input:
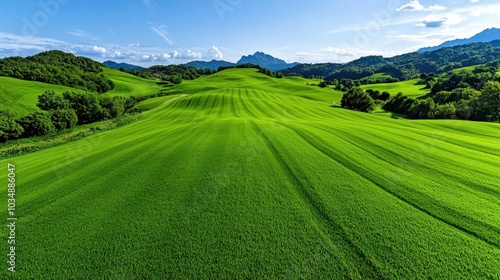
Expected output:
(128, 84)
(378, 76)
(465, 69)
(21, 96)
(409, 88)
(247, 178)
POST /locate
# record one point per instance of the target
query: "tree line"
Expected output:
(364, 101)
(459, 103)
(406, 66)
(59, 112)
(59, 68)
(261, 69)
(171, 73)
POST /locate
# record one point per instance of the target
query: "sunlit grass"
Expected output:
(245, 176)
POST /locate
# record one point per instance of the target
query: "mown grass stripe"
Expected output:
(316, 206)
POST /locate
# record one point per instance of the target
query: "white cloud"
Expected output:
(338, 51)
(15, 45)
(81, 34)
(342, 54)
(215, 53)
(474, 1)
(485, 10)
(162, 32)
(436, 8)
(433, 38)
(88, 50)
(435, 21)
(414, 5)
(101, 50)
(302, 54)
(77, 33)
(189, 54)
(11, 41)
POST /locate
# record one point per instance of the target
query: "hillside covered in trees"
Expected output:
(58, 68)
(172, 73)
(466, 95)
(406, 66)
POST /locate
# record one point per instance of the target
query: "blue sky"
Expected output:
(149, 32)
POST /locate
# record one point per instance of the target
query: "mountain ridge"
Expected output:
(485, 36)
(115, 65)
(258, 58)
(405, 66)
(267, 61)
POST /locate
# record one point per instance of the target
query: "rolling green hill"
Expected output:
(378, 76)
(410, 88)
(21, 96)
(127, 84)
(245, 176)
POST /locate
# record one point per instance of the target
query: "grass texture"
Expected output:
(410, 88)
(244, 176)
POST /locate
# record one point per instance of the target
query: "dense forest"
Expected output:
(308, 70)
(59, 68)
(467, 95)
(404, 67)
(171, 73)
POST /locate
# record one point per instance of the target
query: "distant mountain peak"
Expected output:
(117, 66)
(258, 58)
(265, 60)
(485, 36)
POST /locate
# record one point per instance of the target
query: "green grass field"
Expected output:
(410, 88)
(127, 84)
(242, 176)
(465, 69)
(378, 76)
(21, 96)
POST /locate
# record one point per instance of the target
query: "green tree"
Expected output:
(466, 109)
(489, 102)
(49, 100)
(37, 124)
(442, 97)
(444, 111)
(358, 100)
(421, 109)
(112, 106)
(86, 105)
(9, 128)
(64, 118)
(384, 96)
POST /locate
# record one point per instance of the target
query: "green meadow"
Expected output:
(127, 84)
(241, 176)
(378, 76)
(21, 96)
(410, 88)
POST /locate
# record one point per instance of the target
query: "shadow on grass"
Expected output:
(429, 95)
